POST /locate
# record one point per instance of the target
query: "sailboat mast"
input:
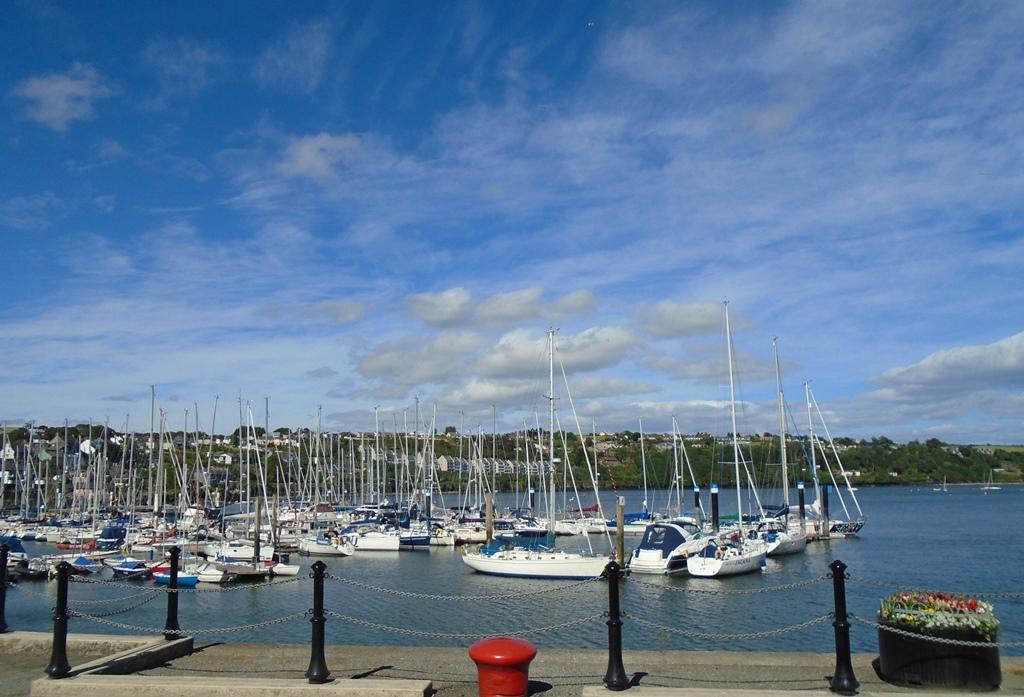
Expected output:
(735, 436)
(551, 431)
(782, 423)
(811, 443)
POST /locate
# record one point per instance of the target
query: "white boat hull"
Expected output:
(377, 542)
(744, 561)
(786, 543)
(536, 564)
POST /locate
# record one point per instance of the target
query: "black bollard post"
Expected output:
(825, 524)
(615, 677)
(803, 507)
(4, 551)
(171, 628)
(696, 505)
(714, 506)
(317, 672)
(843, 681)
(59, 666)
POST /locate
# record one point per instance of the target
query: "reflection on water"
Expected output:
(959, 541)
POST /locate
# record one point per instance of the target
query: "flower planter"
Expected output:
(920, 661)
(911, 625)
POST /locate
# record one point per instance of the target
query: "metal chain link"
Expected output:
(228, 588)
(22, 589)
(123, 610)
(134, 576)
(189, 632)
(149, 591)
(998, 595)
(453, 635)
(936, 639)
(730, 637)
(732, 591)
(431, 596)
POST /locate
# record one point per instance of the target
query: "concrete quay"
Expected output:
(276, 670)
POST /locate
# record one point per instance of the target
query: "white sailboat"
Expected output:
(737, 553)
(990, 485)
(539, 562)
(779, 538)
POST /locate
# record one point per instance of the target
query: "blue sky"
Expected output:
(349, 205)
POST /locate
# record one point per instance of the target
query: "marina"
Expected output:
(902, 547)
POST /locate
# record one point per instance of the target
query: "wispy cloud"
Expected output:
(183, 67)
(295, 62)
(58, 99)
(30, 212)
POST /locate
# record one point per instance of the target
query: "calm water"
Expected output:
(962, 541)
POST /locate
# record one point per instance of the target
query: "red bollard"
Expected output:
(503, 666)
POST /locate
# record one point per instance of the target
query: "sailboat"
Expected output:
(540, 562)
(836, 527)
(736, 553)
(779, 538)
(990, 485)
(942, 488)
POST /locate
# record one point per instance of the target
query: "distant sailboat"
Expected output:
(990, 485)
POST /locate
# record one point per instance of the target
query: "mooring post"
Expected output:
(615, 677)
(4, 551)
(843, 681)
(825, 522)
(317, 672)
(714, 507)
(171, 628)
(803, 507)
(620, 529)
(59, 666)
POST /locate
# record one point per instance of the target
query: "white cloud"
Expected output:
(669, 319)
(322, 372)
(29, 212)
(184, 67)
(57, 99)
(315, 157)
(577, 302)
(412, 361)
(964, 369)
(506, 308)
(450, 307)
(295, 62)
(339, 311)
(523, 354)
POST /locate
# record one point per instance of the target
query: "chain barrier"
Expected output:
(153, 592)
(21, 588)
(733, 591)
(121, 611)
(432, 596)
(889, 585)
(188, 632)
(731, 637)
(936, 639)
(220, 589)
(134, 576)
(229, 588)
(454, 635)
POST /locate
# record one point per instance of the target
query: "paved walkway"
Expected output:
(554, 673)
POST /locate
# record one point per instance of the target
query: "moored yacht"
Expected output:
(666, 546)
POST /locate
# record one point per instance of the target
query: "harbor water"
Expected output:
(962, 540)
